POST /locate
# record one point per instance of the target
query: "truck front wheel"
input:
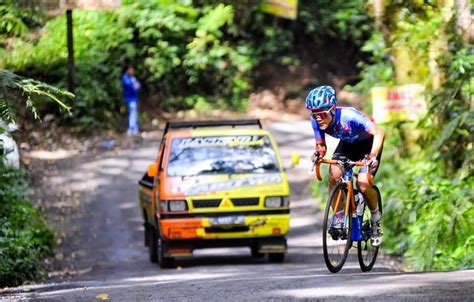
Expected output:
(157, 248)
(163, 261)
(255, 253)
(152, 243)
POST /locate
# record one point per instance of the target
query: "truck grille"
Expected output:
(206, 203)
(242, 202)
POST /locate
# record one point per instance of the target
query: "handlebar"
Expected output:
(317, 164)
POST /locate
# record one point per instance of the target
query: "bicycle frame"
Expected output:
(339, 232)
(347, 178)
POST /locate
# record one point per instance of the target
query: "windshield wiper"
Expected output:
(178, 155)
(270, 167)
(216, 170)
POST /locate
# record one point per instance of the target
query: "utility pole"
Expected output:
(70, 50)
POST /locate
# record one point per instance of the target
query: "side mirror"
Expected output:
(153, 170)
(295, 158)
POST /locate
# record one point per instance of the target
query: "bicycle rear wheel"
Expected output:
(336, 231)
(366, 253)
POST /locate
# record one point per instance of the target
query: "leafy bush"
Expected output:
(24, 239)
(430, 219)
(375, 71)
(96, 43)
(186, 54)
(15, 21)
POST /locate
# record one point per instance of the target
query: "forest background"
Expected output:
(199, 56)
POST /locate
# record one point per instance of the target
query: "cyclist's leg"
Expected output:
(363, 185)
(368, 191)
(335, 171)
(372, 201)
(335, 174)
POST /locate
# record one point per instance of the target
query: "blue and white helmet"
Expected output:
(322, 97)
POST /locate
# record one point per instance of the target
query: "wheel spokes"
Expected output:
(336, 230)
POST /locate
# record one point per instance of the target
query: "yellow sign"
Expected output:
(282, 8)
(398, 103)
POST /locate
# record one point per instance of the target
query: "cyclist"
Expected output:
(359, 138)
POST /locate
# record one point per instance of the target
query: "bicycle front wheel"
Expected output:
(367, 253)
(336, 229)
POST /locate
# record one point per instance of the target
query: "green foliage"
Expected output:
(430, 220)
(11, 23)
(96, 42)
(16, 21)
(24, 239)
(321, 26)
(179, 52)
(451, 112)
(342, 20)
(443, 233)
(186, 53)
(32, 92)
(377, 71)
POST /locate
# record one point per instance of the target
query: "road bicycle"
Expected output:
(347, 219)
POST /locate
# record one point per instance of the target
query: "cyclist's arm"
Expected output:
(319, 138)
(379, 135)
(321, 149)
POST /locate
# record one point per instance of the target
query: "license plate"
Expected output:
(228, 220)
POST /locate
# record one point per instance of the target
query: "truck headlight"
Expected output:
(177, 205)
(277, 201)
(173, 205)
(273, 202)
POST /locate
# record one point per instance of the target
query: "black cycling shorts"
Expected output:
(356, 151)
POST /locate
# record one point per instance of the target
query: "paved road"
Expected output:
(102, 254)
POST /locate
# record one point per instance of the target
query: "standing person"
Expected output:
(131, 86)
(359, 138)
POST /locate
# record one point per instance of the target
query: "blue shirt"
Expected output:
(348, 125)
(131, 86)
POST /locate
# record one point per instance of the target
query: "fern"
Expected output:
(14, 87)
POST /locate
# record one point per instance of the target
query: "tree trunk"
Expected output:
(464, 20)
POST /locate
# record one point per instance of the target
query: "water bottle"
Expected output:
(356, 232)
(360, 203)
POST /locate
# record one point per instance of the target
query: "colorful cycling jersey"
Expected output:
(348, 125)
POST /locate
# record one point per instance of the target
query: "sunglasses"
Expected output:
(321, 114)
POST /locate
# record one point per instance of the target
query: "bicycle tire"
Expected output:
(366, 253)
(335, 262)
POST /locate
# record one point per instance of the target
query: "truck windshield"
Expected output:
(222, 155)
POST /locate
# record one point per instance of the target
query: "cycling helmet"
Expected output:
(322, 97)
